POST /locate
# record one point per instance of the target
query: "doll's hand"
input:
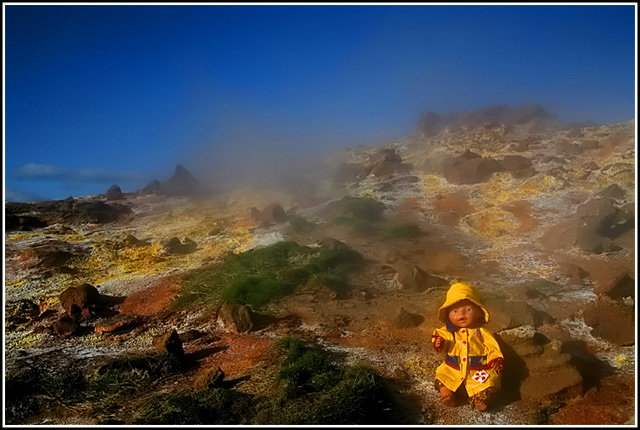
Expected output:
(438, 343)
(497, 366)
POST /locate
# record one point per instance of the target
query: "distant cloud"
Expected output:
(47, 172)
(13, 195)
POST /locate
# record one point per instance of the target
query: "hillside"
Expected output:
(213, 300)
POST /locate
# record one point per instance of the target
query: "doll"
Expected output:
(472, 355)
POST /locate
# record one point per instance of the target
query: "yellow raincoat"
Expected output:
(469, 351)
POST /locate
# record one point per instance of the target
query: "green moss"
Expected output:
(215, 406)
(359, 213)
(316, 388)
(131, 372)
(259, 276)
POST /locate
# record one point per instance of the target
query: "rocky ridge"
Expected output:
(540, 216)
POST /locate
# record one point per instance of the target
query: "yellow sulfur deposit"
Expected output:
(493, 222)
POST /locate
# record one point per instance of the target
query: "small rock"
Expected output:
(66, 326)
(405, 319)
(237, 318)
(209, 378)
(168, 342)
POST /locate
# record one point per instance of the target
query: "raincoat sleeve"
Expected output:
(491, 345)
(444, 333)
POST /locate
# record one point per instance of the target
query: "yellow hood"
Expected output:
(456, 293)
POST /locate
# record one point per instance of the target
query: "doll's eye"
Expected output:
(468, 309)
(455, 312)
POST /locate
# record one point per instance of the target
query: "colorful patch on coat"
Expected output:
(480, 376)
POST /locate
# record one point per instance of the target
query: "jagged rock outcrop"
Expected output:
(182, 183)
(153, 187)
(410, 277)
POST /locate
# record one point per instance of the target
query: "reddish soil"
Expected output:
(152, 300)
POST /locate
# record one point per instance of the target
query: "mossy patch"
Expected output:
(261, 275)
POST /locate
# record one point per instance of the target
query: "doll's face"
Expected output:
(465, 313)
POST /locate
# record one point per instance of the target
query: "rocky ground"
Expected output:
(540, 216)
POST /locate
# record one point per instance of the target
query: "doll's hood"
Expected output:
(456, 293)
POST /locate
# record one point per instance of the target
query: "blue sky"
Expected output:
(97, 95)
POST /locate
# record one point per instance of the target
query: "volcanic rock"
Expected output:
(168, 342)
(469, 168)
(174, 246)
(209, 378)
(114, 193)
(511, 314)
(181, 183)
(272, 214)
(117, 323)
(404, 319)
(80, 302)
(430, 123)
(601, 221)
(412, 278)
(618, 287)
(611, 320)
(237, 318)
(153, 187)
(547, 381)
(66, 326)
(131, 240)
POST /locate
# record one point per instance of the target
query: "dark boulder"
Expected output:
(174, 246)
(212, 377)
(168, 342)
(237, 318)
(66, 326)
(114, 193)
(272, 214)
(133, 241)
(81, 302)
